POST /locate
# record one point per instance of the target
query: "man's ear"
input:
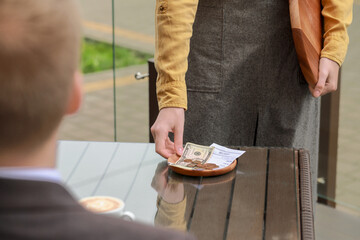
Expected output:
(76, 94)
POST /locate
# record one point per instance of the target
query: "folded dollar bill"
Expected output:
(198, 157)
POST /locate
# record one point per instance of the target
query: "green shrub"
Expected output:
(98, 56)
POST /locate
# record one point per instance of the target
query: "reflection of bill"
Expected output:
(196, 153)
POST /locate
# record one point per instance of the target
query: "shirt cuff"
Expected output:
(172, 94)
(335, 49)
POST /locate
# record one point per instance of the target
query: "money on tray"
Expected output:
(202, 158)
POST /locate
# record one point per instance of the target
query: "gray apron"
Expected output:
(244, 83)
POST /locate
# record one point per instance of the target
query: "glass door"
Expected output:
(134, 38)
(95, 120)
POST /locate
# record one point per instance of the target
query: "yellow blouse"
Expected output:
(174, 21)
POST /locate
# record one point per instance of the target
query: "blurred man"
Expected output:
(39, 84)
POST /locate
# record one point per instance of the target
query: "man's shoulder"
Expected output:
(54, 214)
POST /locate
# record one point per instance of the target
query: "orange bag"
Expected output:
(306, 24)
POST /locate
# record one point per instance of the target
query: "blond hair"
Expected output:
(39, 52)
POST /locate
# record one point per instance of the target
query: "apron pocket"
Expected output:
(206, 53)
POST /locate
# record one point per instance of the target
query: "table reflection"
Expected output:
(178, 199)
(171, 200)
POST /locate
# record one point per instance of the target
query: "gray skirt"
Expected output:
(244, 83)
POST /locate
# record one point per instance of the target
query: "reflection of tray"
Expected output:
(204, 173)
(221, 179)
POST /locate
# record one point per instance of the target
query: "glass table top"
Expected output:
(256, 199)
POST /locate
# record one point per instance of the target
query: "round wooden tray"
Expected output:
(200, 173)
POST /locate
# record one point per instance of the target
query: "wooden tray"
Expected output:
(199, 173)
(306, 27)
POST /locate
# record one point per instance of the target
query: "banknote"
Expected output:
(198, 154)
(198, 157)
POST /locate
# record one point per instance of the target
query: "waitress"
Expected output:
(233, 66)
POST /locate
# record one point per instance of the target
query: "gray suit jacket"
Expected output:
(44, 210)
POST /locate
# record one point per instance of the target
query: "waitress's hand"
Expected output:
(169, 120)
(328, 78)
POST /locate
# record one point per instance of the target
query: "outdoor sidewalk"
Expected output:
(134, 22)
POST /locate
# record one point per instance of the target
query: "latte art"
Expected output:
(101, 204)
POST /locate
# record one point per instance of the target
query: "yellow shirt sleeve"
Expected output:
(173, 30)
(337, 17)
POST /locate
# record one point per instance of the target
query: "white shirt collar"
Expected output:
(32, 174)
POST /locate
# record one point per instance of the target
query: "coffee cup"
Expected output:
(106, 205)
